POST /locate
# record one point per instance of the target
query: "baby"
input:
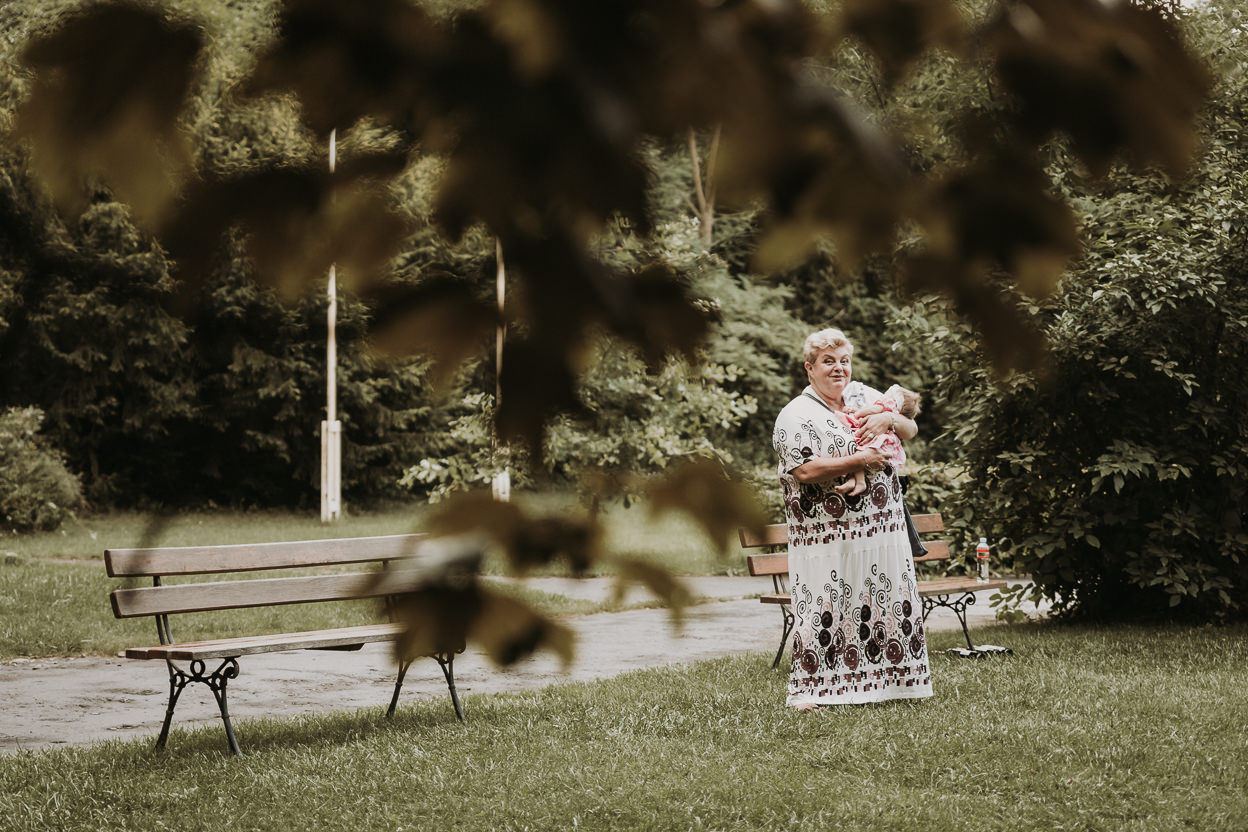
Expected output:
(895, 400)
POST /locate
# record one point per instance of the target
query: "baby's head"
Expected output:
(911, 403)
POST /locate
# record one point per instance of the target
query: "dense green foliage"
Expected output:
(639, 417)
(157, 405)
(36, 491)
(1119, 478)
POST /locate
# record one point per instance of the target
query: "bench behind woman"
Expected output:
(955, 593)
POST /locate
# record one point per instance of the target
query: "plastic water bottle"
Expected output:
(981, 560)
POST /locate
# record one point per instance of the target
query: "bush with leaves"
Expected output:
(37, 491)
(1119, 478)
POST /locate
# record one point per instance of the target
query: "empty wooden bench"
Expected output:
(186, 661)
(955, 593)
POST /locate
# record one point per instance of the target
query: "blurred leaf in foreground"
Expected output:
(1011, 340)
(715, 500)
(443, 619)
(296, 222)
(110, 86)
(663, 584)
(441, 317)
(899, 32)
(825, 170)
(346, 61)
(527, 539)
(538, 383)
(1000, 212)
(443, 607)
(1114, 76)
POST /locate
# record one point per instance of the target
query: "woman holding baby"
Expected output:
(858, 633)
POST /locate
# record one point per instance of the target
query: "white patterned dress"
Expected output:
(858, 631)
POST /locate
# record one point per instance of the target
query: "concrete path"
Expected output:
(58, 702)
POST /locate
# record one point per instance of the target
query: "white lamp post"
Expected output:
(502, 480)
(331, 428)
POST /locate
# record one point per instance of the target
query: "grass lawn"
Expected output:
(88, 537)
(54, 593)
(669, 539)
(1083, 729)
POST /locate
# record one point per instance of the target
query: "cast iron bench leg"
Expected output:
(959, 609)
(216, 682)
(447, 660)
(177, 682)
(784, 639)
(398, 686)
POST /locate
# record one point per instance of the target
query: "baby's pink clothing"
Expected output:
(890, 445)
(888, 442)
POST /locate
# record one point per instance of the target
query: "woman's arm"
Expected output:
(824, 468)
(885, 406)
(875, 424)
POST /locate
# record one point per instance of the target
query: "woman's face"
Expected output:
(830, 372)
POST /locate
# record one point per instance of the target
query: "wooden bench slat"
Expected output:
(225, 595)
(768, 564)
(776, 534)
(779, 564)
(271, 643)
(249, 557)
(944, 586)
(936, 550)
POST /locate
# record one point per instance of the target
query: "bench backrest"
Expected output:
(251, 557)
(778, 535)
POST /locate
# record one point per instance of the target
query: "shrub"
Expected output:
(37, 491)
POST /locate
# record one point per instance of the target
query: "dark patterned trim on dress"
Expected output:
(871, 642)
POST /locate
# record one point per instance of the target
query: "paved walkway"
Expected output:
(58, 702)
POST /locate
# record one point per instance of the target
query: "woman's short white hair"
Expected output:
(819, 341)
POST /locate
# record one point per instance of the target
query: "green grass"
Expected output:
(62, 609)
(54, 593)
(88, 537)
(669, 539)
(1083, 729)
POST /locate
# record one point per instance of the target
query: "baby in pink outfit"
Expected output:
(895, 400)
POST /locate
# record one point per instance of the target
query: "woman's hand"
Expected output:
(873, 425)
(871, 458)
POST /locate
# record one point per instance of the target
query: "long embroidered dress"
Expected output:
(858, 630)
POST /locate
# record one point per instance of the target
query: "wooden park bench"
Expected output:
(327, 583)
(955, 593)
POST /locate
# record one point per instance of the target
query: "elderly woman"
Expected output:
(858, 634)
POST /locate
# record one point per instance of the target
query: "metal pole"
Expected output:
(331, 428)
(502, 480)
(501, 335)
